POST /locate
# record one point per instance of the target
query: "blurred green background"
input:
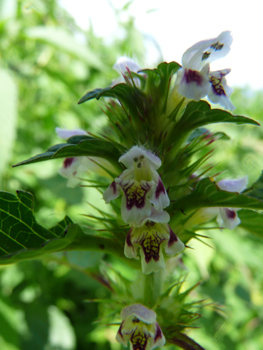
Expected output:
(47, 63)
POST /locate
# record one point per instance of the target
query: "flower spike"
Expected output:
(139, 327)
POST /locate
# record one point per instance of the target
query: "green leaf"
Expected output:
(200, 113)
(21, 237)
(256, 190)
(208, 194)
(77, 146)
(251, 221)
(65, 42)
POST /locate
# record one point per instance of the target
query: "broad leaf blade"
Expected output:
(77, 146)
(208, 194)
(251, 221)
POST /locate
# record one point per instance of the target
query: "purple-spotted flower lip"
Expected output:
(207, 51)
(139, 327)
(140, 311)
(151, 240)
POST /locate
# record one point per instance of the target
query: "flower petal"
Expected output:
(159, 339)
(131, 245)
(65, 133)
(159, 197)
(73, 168)
(207, 51)
(125, 62)
(136, 152)
(228, 218)
(135, 205)
(174, 244)
(193, 84)
(140, 311)
(120, 337)
(220, 91)
(237, 185)
(112, 192)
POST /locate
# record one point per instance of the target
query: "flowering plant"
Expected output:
(152, 154)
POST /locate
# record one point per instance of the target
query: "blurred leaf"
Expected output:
(62, 40)
(251, 221)
(256, 189)
(208, 194)
(22, 238)
(77, 146)
(7, 9)
(8, 103)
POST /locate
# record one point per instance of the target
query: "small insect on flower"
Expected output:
(139, 327)
(152, 237)
(74, 168)
(194, 79)
(140, 184)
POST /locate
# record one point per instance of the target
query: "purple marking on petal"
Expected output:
(128, 238)
(192, 76)
(113, 186)
(151, 247)
(216, 82)
(135, 195)
(158, 333)
(139, 340)
(119, 331)
(173, 238)
(68, 161)
(231, 214)
(159, 189)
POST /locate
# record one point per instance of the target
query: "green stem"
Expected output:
(152, 288)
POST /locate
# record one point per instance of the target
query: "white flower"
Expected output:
(227, 217)
(219, 90)
(123, 65)
(139, 327)
(74, 168)
(154, 236)
(195, 80)
(140, 184)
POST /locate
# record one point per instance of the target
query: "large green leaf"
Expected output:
(256, 190)
(252, 221)
(21, 237)
(77, 146)
(208, 194)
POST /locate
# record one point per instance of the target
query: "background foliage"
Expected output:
(47, 64)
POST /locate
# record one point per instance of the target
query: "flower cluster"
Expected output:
(143, 199)
(139, 327)
(195, 80)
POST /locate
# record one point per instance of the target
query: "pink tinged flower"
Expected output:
(74, 168)
(192, 78)
(139, 327)
(220, 91)
(227, 217)
(65, 133)
(123, 65)
(152, 238)
(140, 185)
